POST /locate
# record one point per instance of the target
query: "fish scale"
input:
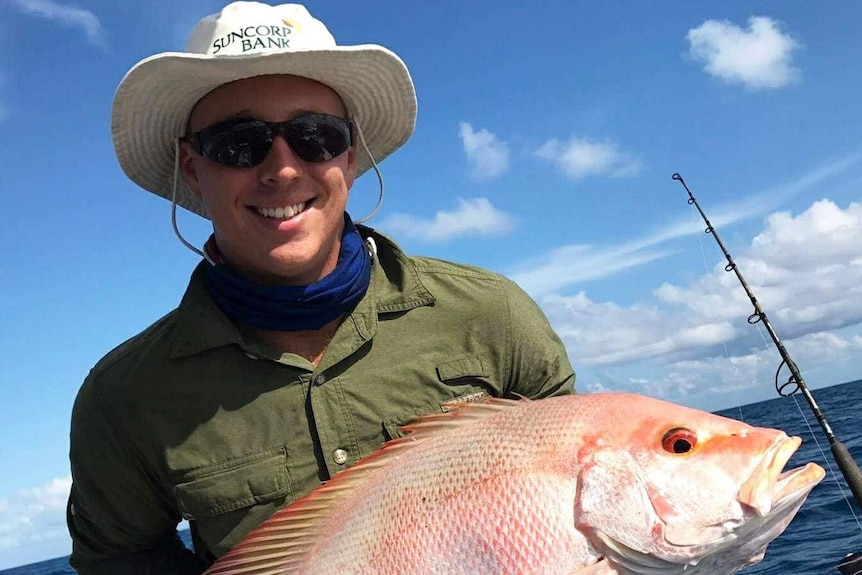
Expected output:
(463, 482)
(561, 486)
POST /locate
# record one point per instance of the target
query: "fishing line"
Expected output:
(828, 464)
(706, 275)
(832, 473)
(823, 456)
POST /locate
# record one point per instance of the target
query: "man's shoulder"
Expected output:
(472, 289)
(447, 279)
(391, 255)
(438, 267)
(469, 284)
(136, 355)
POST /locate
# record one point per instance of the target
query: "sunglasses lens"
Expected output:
(242, 143)
(318, 137)
(245, 143)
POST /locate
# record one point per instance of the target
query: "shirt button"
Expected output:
(340, 456)
(320, 379)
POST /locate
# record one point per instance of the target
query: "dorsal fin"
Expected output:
(278, 545)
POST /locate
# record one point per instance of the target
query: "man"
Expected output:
(303, 342)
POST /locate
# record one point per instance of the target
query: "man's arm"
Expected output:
(169, 557)
(540, 366)
(119, 519)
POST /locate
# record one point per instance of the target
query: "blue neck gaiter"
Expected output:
(293, 308)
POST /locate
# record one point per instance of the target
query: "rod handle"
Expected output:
(849, 469)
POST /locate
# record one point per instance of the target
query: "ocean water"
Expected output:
(825, 529)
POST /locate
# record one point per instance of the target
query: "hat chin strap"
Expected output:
(376, 170)
(205, 255)
(174, 204)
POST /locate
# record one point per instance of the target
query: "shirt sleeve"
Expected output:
(540, 366)
(119, 519)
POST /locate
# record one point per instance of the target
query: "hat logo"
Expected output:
(255, 38)
(291, 24)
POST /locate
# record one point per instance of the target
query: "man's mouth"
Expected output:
(284, 212)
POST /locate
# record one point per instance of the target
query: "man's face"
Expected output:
(295, 250)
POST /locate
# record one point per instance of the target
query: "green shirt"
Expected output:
(190, 420)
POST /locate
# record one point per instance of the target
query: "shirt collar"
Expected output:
(397, 287)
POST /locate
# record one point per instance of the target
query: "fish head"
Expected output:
(669, 487)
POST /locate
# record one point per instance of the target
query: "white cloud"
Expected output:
(605, 333)
(69, 16)
(755, 370)
(715, 375)
(759, 58)
(488, 156)
(580, 158)
(805, 270)
(579, 263)
(572, 264)
(35, 515)
(472, 217)
(787, 239)
(721, 380)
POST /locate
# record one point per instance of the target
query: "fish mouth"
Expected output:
(770, 487)
(770, 498)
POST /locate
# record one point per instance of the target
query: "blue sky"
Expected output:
(544, 150)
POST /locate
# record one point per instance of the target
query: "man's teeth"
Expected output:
(284, 213)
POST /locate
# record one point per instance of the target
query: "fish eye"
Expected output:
(679, 440)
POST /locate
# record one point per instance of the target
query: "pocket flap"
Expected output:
(469, 366)
(233, 484)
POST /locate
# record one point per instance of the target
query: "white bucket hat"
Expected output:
(153, 102)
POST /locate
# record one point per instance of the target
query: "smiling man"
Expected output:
(303, 341)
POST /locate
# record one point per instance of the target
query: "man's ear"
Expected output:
(352, 159)
(188, 168)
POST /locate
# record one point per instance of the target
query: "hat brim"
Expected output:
(153, 102)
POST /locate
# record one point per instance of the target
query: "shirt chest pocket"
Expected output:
(462, 380)
(228, 499)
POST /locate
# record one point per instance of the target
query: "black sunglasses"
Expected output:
(245, 142)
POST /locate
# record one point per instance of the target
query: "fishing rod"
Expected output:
(846, 463)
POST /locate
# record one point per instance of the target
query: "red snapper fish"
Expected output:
(594, 484)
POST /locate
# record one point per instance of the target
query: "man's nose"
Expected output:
(280, 164)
